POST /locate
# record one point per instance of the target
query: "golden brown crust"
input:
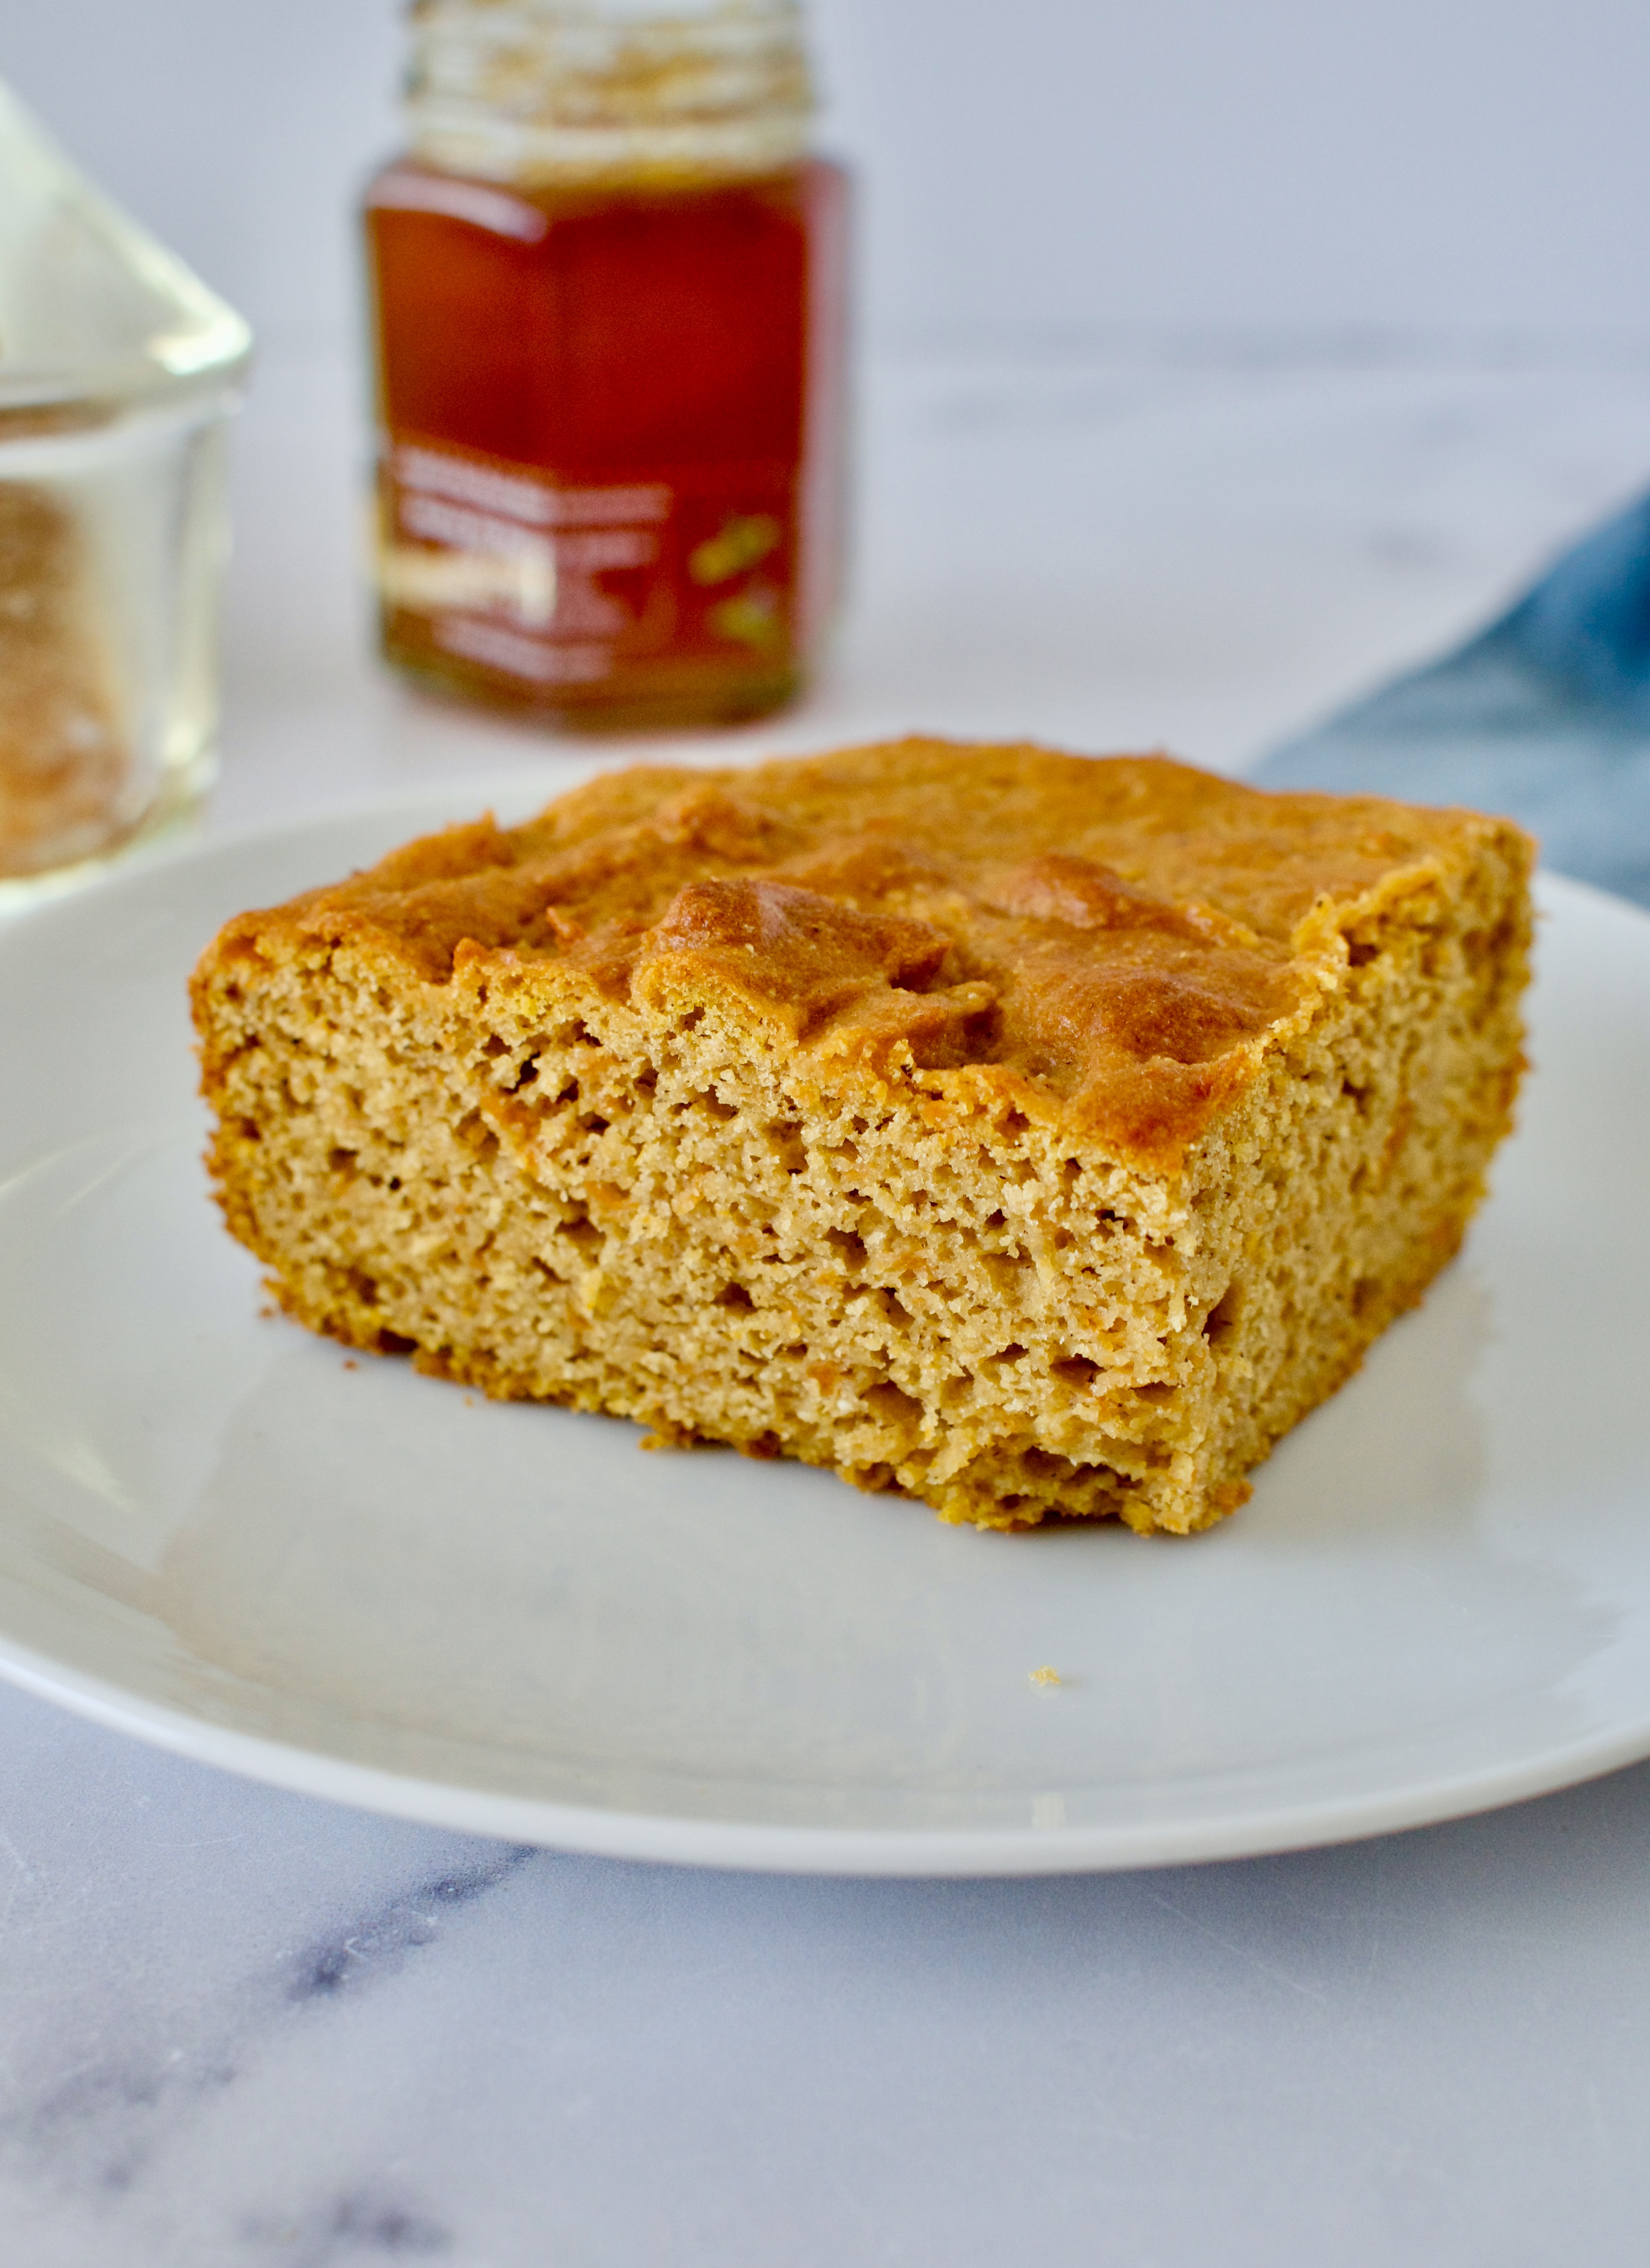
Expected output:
(1042, 1137)
(1112, 944)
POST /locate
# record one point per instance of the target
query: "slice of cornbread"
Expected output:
(1039, 1136)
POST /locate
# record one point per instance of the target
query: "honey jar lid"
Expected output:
(530, 90)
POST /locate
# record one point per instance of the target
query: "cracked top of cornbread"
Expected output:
(1112, 944)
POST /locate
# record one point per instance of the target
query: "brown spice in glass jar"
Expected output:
(62, 757)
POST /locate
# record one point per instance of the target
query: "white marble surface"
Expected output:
(240, 2027)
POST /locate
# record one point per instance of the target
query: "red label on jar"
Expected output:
(550, 584)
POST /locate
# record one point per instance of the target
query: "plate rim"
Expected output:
(688, 1839)
(775, 1848)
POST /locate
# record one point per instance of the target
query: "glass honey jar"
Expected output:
(609, 313)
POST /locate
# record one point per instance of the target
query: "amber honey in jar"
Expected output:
(609, 314)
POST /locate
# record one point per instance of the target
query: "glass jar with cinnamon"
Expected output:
(119, 371)
(608, 297)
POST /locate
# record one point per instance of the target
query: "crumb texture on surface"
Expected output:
(1039, 1136)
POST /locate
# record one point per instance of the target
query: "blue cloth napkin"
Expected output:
(1545, 716)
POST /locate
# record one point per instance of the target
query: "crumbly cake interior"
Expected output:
(1041, 1137)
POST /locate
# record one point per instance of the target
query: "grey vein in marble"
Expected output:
(103, 2105)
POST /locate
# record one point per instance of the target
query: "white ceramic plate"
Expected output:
(220, 1534)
